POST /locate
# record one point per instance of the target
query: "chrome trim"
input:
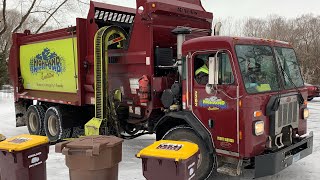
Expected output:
(238, 118)
(187, 82)
(287, 114)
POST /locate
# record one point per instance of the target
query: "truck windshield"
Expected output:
(289, 67)
(258, 68)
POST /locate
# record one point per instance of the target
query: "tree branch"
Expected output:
(4, 17)
(49, 17)
(24, 18)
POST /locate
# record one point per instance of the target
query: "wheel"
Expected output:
(35, 118)
(53, 125)
(310, 98)
(205, 160)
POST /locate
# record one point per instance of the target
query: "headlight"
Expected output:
(258, 128)
(306, 113)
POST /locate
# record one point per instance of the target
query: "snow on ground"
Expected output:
(130, 167)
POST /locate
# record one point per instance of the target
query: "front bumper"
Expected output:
(272, 163)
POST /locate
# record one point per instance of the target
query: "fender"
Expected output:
(193, 122)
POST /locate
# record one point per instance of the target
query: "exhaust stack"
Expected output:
(217, 29)
(181, 37)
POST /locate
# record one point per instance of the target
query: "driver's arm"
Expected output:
(202, 78)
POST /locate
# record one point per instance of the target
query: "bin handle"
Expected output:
(59, 147)
(66, 151)
(95, 151)
(91, 153)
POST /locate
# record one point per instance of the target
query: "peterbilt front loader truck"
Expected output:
(158, 69)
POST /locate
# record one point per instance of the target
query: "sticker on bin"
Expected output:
(35, 159)
(20, 140)
(173, 147)
(23, 142)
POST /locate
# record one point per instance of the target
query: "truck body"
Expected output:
(252, 110)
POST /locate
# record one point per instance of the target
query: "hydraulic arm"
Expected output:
(104, 106)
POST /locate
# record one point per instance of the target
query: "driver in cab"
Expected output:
(202, 71)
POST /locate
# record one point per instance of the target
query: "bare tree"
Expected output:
(302, 32)
(35, 16)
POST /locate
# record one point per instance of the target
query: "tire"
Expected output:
(35, 118)
(184, 133)
(53, 124)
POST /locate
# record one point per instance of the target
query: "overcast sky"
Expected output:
(261, 8)
(250, 8)
(222, 9)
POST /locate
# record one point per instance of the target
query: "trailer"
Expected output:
(161, 68)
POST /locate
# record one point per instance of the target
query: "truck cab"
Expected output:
(157, 69)
(249, 95)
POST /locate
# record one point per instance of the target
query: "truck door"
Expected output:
(217, 111)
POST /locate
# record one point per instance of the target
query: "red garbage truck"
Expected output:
(161, 68)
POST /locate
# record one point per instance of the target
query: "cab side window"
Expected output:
(225, 70)
(201, 71)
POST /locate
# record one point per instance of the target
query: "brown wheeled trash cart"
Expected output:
(169, 160)
(24, 158)
(92, 157)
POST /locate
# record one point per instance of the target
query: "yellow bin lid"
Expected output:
(177, 150)
(22, 142)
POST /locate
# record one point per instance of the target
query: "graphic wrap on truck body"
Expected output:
(50, 66)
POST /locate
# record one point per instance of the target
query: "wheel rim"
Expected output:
(33, 122)
(52, 126)
(199, 156)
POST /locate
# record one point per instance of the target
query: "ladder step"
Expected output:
(229, 169)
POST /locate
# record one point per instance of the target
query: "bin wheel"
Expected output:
(205, 160)
(53, 125)
(35, 118)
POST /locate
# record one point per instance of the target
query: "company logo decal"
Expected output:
(47, 63)
(213, 103)
(196, 98)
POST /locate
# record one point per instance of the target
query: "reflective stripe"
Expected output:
(203, 69)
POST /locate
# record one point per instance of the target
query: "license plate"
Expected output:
(296, 157)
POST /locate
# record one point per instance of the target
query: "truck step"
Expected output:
(230, 169)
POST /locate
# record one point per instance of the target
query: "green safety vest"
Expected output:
(203, 69)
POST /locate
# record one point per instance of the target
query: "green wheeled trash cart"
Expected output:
(92, 157)
(24, 158)
(170, 160)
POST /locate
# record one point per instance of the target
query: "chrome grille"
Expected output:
(287, 113)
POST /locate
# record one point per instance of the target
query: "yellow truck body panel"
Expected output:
(50, 65)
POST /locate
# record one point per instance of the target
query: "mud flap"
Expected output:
(20, 111)
(272, 163)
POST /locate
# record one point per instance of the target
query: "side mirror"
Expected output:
(214, 70)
